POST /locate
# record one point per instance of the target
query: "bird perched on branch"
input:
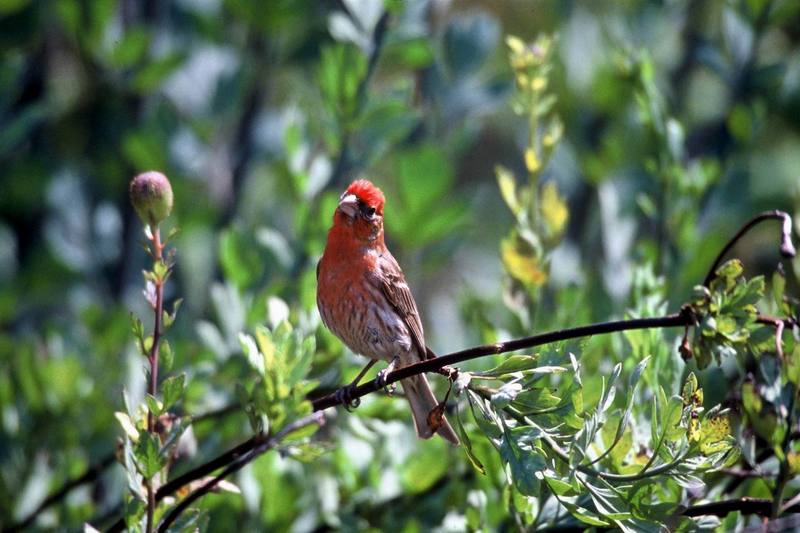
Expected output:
(364, 300)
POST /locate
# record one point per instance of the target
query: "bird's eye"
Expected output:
(370, 212)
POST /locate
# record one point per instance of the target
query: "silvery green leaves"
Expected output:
(590, 452)
(727, 313)
(281, 358)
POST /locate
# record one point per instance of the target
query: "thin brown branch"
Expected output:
(683, 318)
(158, 249)
(786, 248)
(264, 444)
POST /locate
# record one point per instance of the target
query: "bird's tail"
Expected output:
(422, 401)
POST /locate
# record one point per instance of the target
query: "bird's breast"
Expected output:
(357, 312)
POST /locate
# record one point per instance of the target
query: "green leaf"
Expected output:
(426, 469)
(508, 188)
(466, 444)
(160, 271)
(302, 363)
(584, 515)
(608, 503)
(342, 67)
(778, 288)
(424, 175)
(484, 419)
(166, 356)
(131, 48)
(524, 465)
(189, 521)
(609, 392)
(154, 405)
(412, 54)
(624, 443)
(138, 330)
(792, 365)
(671, 419)
(172, 389)
(133, 510)
(530, 400)
(730, 270)
(384, 123)
(157, 70)
(301, 433)
(169, 318)
(177, 428)
(146, 451)
(561, 488)
(239, 258)
(250, 351)
(510, 365)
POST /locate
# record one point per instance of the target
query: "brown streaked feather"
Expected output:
(394, 287)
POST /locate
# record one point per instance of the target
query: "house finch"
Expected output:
(364, 300)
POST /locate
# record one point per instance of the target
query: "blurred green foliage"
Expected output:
(633, 149)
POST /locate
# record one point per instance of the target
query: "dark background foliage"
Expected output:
(680, 121)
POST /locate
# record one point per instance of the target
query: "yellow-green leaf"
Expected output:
(522, 264)
(554, 210)
(508, 188)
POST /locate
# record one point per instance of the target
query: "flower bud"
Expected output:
(151, 196)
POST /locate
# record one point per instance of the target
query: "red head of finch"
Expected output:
(364, 300)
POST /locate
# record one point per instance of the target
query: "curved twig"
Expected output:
(787, 248)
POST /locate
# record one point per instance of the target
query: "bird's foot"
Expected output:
(380, 379)
(344, 396)
(449, 372)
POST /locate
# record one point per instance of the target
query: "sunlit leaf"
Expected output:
(466, 444)
(554, 210)
(510, 365)
(127, 425)
(146, 450)
(522, 262)
(172, 389)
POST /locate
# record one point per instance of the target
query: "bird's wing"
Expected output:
(393, 285)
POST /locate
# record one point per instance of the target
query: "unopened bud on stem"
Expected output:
(151, 196)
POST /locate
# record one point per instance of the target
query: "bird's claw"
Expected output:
(380, 381)
(344, 396)
(449, 372)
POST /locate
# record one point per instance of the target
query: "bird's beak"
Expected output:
(349, 205)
